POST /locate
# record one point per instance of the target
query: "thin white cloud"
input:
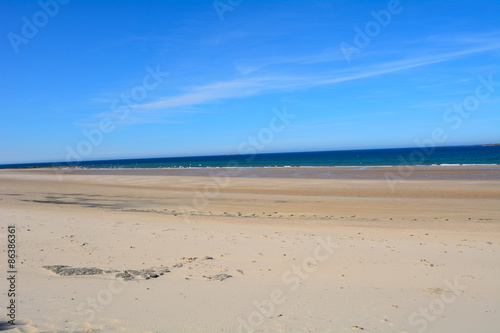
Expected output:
(243, 87)
(327, 55)
(466, 38)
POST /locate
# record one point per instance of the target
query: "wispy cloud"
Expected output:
(289, 73)
(248, 86)
(466, 38)
(325, 56)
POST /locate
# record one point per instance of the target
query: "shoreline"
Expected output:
(389, 173)
(62, 167)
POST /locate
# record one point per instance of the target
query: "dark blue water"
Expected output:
(465, 155)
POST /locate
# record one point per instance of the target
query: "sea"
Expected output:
(457, 155)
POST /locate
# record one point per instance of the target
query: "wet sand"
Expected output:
(456, 172)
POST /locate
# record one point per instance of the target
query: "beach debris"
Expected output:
(125, 275)
(150, 273)
(148, 276)
(64, 270)
(208, 258)
(240, 271)
(220, 277)
(130, 274)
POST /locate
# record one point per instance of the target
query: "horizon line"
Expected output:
(75, 163)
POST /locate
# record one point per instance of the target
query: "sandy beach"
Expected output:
(218, 251)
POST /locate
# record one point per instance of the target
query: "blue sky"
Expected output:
(229, 67)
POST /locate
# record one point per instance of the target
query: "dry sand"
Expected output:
(303, 254)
